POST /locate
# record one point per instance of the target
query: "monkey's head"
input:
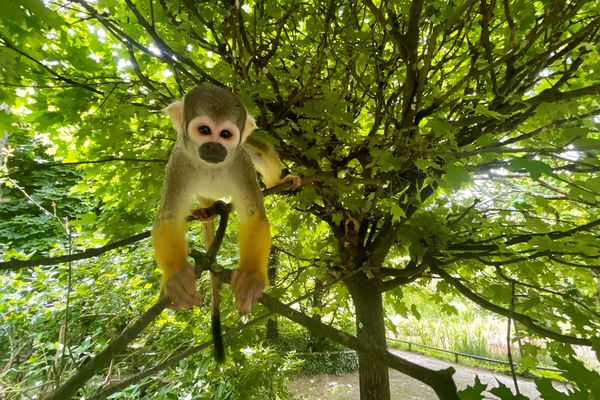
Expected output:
(213, 123)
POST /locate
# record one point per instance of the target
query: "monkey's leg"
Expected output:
(170, 251)
(250, 280)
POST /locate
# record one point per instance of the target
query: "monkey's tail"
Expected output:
(217, 335)
(216, 320)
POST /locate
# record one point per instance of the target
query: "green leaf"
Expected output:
(534, 167)
(11, 12)
(85, 219)
(505, 393)
(584, 144)
(486, 140)
(441, 127)
(457, 175)
(414, 310)
(473, 392)
(489, 113)
(43, 16)
(528, 363)
(397, 212)
(547, 390)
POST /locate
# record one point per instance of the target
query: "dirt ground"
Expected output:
(345, 387)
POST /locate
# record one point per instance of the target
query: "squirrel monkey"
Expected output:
(214, 157)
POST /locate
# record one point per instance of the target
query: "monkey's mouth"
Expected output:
(212, 152)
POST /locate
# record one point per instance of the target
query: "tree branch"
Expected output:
(173, 360)
(119, 344)
(381, 245)
(115, 347)
(440, 381)
(165, 48)
(224, 276)
(55, 74)
(122, 37)
(404, 276)
(524, 238)
(213, 210)
(523, 319)
(410, 89)
(18, 264)
(66, 164)
(547, 96)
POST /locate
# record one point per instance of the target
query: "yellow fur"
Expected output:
(255, 244)
(170, 247)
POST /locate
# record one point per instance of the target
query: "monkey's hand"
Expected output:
(294, 179)
(247, 287)
(181, 288)
(170, 250)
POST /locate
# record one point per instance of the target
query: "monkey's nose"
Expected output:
(212, 152)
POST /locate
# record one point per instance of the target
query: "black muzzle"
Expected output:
(212, 152)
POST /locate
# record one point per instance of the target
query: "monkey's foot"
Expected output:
(181, 289)
(247, 289)
(208, 213)
(294, 179)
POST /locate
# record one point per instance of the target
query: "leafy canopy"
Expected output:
(460, 139)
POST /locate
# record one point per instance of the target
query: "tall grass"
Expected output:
(465, 328)
(468, 333)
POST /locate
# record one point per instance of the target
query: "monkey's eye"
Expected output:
(225, 134)
(204, 130)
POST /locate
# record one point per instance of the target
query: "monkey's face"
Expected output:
(214, 142)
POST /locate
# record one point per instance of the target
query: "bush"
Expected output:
(334, 363)
(329, 357)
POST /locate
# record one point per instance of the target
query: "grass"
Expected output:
(471, 332)
(467, 332)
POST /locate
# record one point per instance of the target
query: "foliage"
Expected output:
(252, 374)
(23, 228)
(452, 145)
(585, 383)
(337, 363)
(317, 354)
(418, 317)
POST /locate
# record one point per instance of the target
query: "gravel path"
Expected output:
(345, 387)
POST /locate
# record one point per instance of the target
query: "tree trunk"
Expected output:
(368, 304)
(272, 331)
(316, 342)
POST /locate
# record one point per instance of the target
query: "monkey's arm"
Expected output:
(168, 237)
(266, 161)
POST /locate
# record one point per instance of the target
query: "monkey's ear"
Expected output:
(249, 127)
(175, 113)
